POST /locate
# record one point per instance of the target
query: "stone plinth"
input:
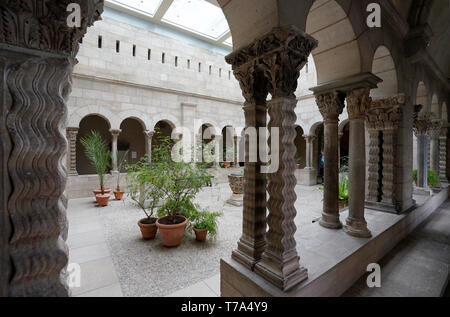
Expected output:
(306, 176)
(236, 182)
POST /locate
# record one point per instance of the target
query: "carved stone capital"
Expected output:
(422, 124)
(434, 130)
(358, 102)
(280, 54)
(149, 134)
(252, 83)
(385, 113)
(115, 132)
(330, 105)
(72, 134)
(42, 24)
(309, 138)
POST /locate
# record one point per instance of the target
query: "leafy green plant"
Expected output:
(344, 165)
(415, 176)
(121, 161)
(433, 178)
(205, 220)
(142, 190)
(97, 151)
(343, 191)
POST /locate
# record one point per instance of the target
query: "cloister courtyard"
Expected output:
(224, 148)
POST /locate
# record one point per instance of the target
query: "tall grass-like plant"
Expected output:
(98, 153)
(343, 191)
(433, 178)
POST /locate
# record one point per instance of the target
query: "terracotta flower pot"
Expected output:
(171, 235)
(102, 200)
(342, 205)
(99, 191)
(148, 230)
(297, 166)
(200, 234)
(227, 164)
(119, 194)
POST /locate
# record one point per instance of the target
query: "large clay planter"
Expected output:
(119, 194)
(148, 230)
(200, 234)
(99, 191)
(171, 235)
(342, 205)
(102, 200)
(227, 164)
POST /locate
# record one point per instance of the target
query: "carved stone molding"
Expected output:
(358, 102)
(72, 134)
(385, 113)
(42, 24)
(422, 124)
(435, 129)
(331, 105)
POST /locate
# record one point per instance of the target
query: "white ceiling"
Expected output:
(200, 18)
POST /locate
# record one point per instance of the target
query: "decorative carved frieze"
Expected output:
(435, 129)
(385, 113)
(72, 134)
(42, 24)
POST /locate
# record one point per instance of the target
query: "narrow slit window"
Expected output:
(163, 58)
(149, 54)
(100, 41)
(134, 50)
(210, 69)
(220, 72)
(229, 75)
(189, 64)
(307, 68)
(176, 61)
(117, 46)
(199, 67)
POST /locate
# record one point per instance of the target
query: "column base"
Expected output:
(330, 221)
(421, 191)
(236, 200)
(72, 173)
(306, 176)
(276, 277)
(357, 228)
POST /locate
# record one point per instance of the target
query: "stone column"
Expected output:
(421, 126)
(358, 102)
(237, 142)
(339, 149)
(331, 106)
(115, 136)
(309, 150)
(433, 134)
(252, 242)
(443, 156)
(37, 50)
(148, 143)
(282, 64)
(72, 151)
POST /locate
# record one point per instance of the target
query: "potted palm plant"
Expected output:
(98, 153)
(145, 195)
(205, 223)
(118, 193)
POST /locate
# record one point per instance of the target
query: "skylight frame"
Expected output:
(122, 4)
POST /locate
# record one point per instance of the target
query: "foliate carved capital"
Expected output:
(435, 129)
(422, 124)
(149, 134)
(385, 113)
(280, 54)
(330, 105)
(358, 103)
(115, 132)
(42, 24)
(72, 133)
(252, 83)
(309, 138)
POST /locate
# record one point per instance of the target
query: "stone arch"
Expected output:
(384, 67)
(166, 117)
(78, 115)
(444, 113)
(434, 109)
(132, 139)
(337, 55)
(300, 144)
(143, 118)
(313, 129)
(422, 97)
(92, 122)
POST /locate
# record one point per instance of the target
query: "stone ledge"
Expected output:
(348, 267)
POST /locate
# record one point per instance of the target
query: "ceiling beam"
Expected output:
(224, 37)
(165, 5)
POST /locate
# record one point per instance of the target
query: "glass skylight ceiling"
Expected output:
(198, 16)
(148, 7)
(201, 18)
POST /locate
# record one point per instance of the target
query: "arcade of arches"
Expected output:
(373, 99)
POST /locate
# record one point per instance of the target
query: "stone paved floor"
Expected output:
(419, 266)
(116, 262)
